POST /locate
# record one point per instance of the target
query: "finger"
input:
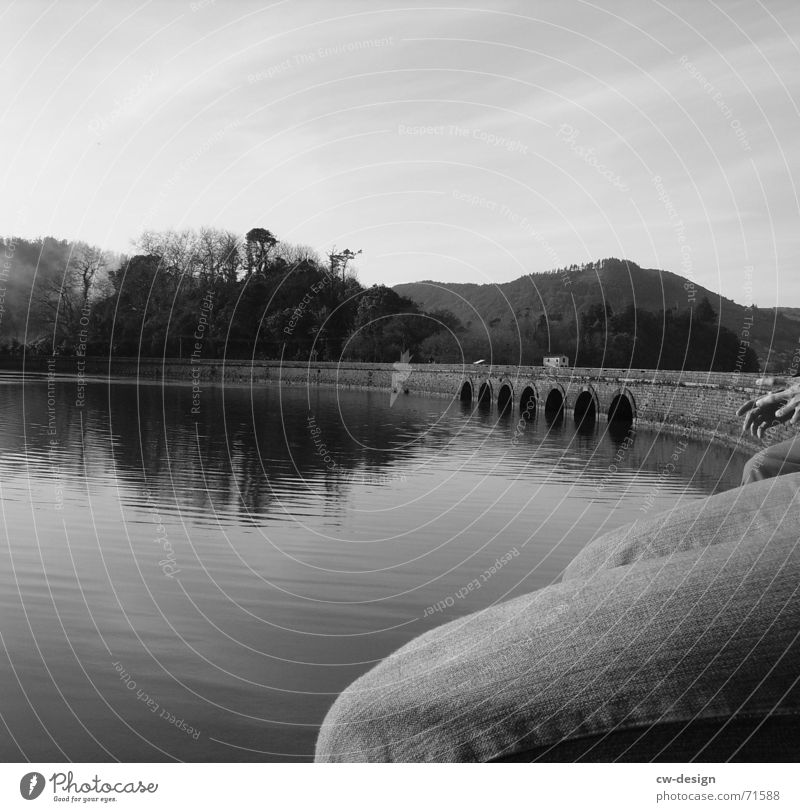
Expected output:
(745, 407)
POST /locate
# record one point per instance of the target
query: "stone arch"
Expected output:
(587, 407)
(528, 401)
(465, 392)
(622, 408)
(505, 397)
(485, 395)
(556, 403)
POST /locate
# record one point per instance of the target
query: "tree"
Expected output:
(65, 299)
(259, 243)
(705, 313)
(136, 317)
(293, 254)
(178, 251)
(339, 261)
(230, 248)
(372, 326)
(217, 256)
(89, 265)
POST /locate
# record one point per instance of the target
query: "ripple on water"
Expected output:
(296, 569)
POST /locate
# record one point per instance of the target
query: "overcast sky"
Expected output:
(470, 144)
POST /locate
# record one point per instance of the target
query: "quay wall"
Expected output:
(696, 404)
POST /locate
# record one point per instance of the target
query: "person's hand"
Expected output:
(791, 411)
(766, 411)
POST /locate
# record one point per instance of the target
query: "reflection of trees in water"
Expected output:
(256, 447)
(36, 432)
(240, 452)
(246, 449)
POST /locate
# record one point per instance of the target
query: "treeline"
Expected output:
(213, 294)
(210, 293)
(32, 273)
(687, 339)
(636, 338)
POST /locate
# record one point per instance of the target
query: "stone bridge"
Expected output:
(590, 399)
(700, 404)
(694, 403)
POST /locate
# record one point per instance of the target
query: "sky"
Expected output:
(468, 144)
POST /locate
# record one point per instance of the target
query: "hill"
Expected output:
(566, 294)
(790, 312)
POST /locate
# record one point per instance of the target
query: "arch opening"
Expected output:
(554, 405)
(466, 392)
(527, 404)
(585, 409)
(621, 410)
(505, 398)
(485, 396)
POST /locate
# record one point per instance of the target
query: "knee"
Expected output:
(754, 469)
(767, 463)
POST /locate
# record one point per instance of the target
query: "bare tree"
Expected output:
(178, 250)
(218, 255)
(293, 254)
(89, 265)
(65, 298)
(206, 255)
(230, 249)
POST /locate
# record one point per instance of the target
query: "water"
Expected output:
(200, 587)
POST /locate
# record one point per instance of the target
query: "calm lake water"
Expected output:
(200, 587)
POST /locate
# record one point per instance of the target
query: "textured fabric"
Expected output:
(772, 739)
(749, 513)
(775, 460)
(696, 619)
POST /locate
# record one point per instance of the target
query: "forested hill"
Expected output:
(564, 294)
(254, 295)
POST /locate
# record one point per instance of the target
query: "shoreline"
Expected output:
(723, 390)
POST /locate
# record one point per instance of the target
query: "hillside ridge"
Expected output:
(565, 293)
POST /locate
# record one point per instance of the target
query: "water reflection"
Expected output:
(619, 430)
(246, 559)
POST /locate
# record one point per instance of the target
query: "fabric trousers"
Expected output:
(781, 458)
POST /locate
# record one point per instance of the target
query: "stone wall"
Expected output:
(698, 404)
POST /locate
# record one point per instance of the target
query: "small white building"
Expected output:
(555, 361)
